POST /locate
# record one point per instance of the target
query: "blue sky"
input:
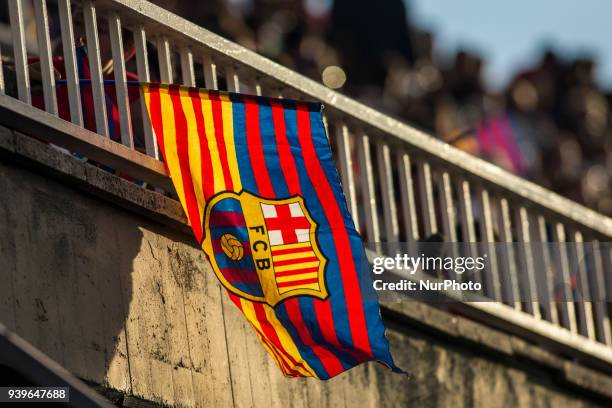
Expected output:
(510, 33)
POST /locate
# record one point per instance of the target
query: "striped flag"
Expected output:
(257, 182)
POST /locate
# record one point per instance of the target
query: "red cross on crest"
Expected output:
(286, 223)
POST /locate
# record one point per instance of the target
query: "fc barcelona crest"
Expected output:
(264, 250)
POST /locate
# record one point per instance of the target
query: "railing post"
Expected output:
(449, 218)
(187, 67)
(46, 62)
(598, 283)
(385, 174)
(366, 176)
(508, 275)
(343, 145)
(545, 266)
(70, 64)
(407, 197)
(528, 285)
(123, 100)
(563, 279)
(487, 237)
(19, 49)
(142, 66)
(584, 304)
(426, 195)
(165, 61)
(210, 73)
(95, 65)
(446, 203)
(466, 218)
(231, 77)
(1, 74)
(259, 90)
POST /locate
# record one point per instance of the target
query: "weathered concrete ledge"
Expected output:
(453, 360)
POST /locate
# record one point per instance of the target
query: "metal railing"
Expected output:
(400, 184)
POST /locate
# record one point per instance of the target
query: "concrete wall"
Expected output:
(132, 304)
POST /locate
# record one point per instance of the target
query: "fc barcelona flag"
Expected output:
(257, 182)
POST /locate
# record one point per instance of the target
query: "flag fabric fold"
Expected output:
(256, 179)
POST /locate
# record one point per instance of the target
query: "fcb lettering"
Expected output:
(257, 182)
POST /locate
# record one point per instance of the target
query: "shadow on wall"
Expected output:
(66, 263)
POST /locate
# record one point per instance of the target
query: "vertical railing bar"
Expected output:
(385, 171)
(583, 304)
(508, 274)
(448, 210)
(233, 82)
(468, 230)
(343, 144)
(407, 197)
(466, 211)
(46, 58)
(449, 218)
(95, 65)
(545, 267)
(210, 73)
(187, 70)
(1, 74)
(568, 315)
(123, 100)
(70, 64)
(598, 293)
(259, 89)
(426, 195)
(605, 249)
(491, 273)
(19, 50)
(165, 62)
(142, 67)
(527, 286)
(325, 124)
(367, 184)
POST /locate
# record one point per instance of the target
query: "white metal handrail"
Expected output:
(408, 185)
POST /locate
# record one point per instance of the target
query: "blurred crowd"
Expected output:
(551, 124)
